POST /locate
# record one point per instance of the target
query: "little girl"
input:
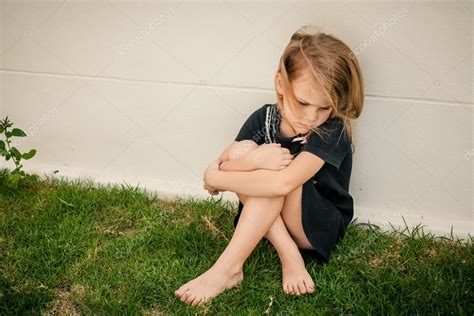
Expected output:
(290, 166)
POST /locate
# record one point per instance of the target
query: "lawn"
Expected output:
(72, 247)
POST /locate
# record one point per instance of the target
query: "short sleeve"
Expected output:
(253, 127)
(332, 145)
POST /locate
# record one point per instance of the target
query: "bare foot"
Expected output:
(208, 285)
(296, 279)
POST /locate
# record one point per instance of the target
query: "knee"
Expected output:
(241, 148)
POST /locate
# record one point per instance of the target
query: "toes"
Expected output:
(297, 289)
(190, 299)
(309, 286)
(290, 289)
(294, 289)
(196, 301)
(180, 291)
(183, 297)
(301, 287)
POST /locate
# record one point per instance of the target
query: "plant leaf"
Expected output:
(29, 154)
(15, 153)
(18, 132)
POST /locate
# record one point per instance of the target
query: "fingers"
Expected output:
(284, 163)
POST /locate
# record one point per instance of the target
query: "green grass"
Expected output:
(75, 247)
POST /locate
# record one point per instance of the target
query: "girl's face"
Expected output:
(313, 105)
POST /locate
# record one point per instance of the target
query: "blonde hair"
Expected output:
(334, 67)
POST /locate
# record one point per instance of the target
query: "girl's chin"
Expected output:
(302, 130)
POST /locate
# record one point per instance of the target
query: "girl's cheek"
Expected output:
(326, 115)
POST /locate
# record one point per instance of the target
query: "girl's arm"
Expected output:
(263, 182)
(243, 163)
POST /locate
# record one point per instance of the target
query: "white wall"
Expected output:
(150, 93)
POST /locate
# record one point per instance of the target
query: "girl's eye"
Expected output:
(324, 109)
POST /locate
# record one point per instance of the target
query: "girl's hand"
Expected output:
(210, 172)
(270, 156)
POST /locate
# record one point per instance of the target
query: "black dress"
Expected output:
(327, 206)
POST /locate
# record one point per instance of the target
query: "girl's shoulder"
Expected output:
(259, 115)
(253, 127)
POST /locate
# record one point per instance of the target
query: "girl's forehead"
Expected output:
(308, 91)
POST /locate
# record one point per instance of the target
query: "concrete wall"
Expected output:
(150, 93)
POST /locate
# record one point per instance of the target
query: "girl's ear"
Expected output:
(279, 86)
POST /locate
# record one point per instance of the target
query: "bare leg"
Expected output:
(286, 234)
(257, 216)
(295, 277)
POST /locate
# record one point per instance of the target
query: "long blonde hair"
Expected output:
(334, 67)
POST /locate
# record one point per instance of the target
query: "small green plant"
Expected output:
(10, 152)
